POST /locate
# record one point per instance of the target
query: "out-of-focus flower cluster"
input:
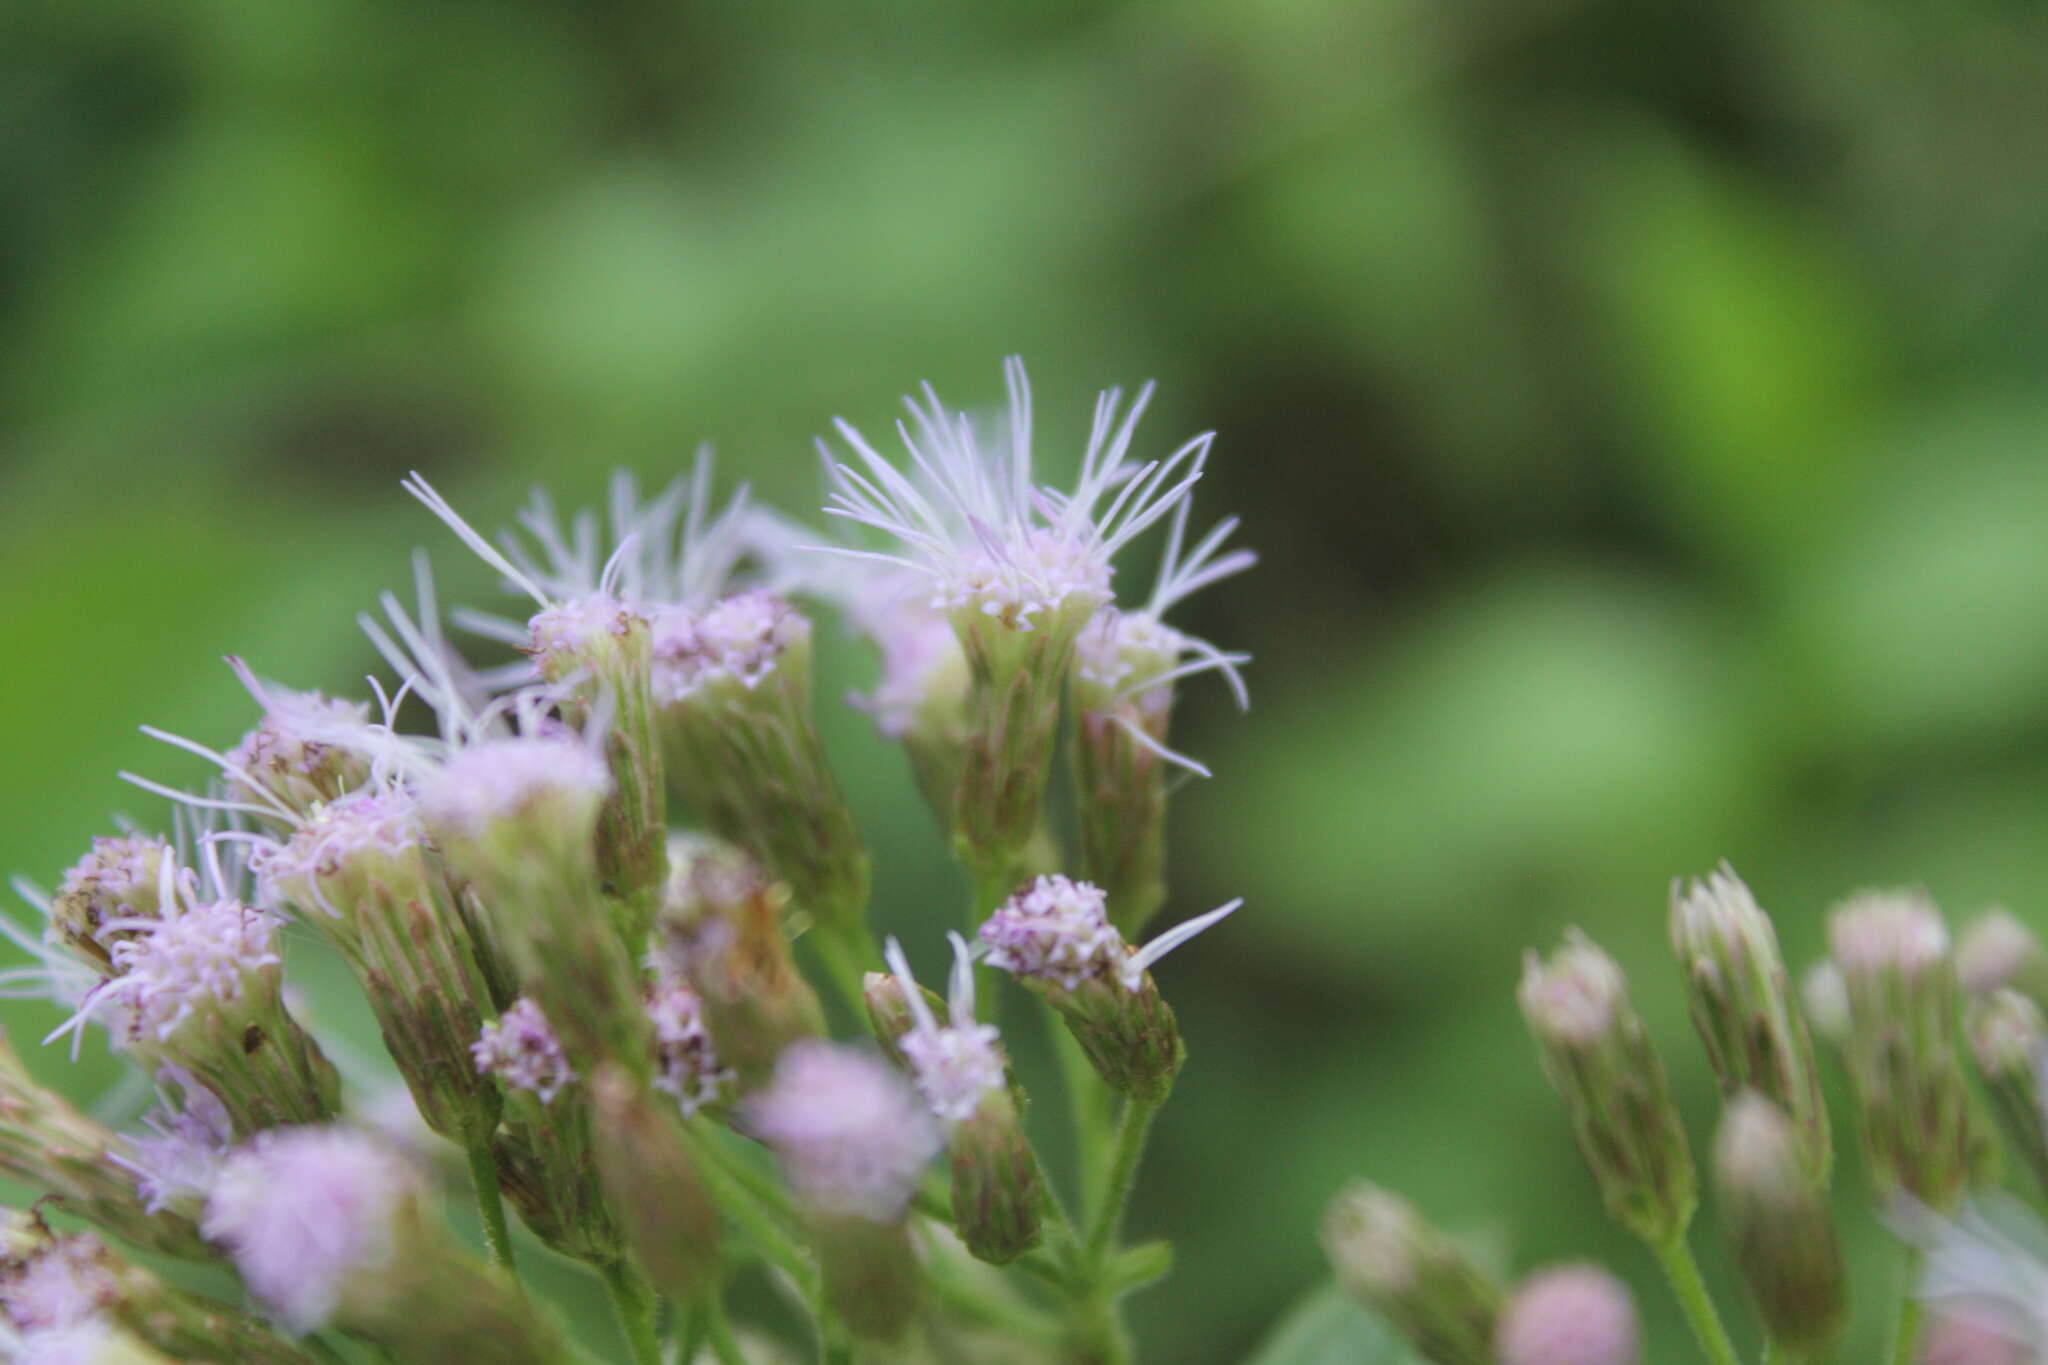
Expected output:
(1908, 1016)
(603, 902)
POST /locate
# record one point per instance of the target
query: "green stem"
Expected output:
(633, 1301)
(718, 1328)
(325, 1352)
(1774, 1354)
(754, 1219)
(1087, 1103)
(1131, 1133)
(842, 963)
(1693, 1300)
(490, 1205)
(1906, 1332)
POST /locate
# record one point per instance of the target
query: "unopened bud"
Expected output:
(1826, 1001)
(1741, 1003)
(1779, 1224)
(669, 1219)
(1599, 1057)
(1569, 1315)
(720, 930)
(733, 683)
(1903, 1052)
(2009, 1040)
(1396, 1264)
(1998, 951)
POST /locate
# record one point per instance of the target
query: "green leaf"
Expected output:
(1328, 1328)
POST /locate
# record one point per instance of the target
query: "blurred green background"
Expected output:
(1638, 409)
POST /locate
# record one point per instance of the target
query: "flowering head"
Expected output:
(120, 879)
(313, 1218)
(517, 791)
(731, 645)
(290, 755)
(203, 958)
(687, 1065)
(522, 1051)
(175, 1162)
(1569, 1315)
(340, 851)
(852, 1137)
(955, 1063)
(49, 1280)
(1997, 950)
(921, 693)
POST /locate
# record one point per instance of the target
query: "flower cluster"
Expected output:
(592, 906)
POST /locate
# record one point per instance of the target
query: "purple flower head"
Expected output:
(503, 778)
(1058, 930)
(290, 755)
(740, 638)
(954, 1064)
(186, 1142)
(305, 1212)
(119, 879)
(521, 1050)
(372, 826)
(689, 1068)
(851, 1135)
(63, 1280)
(1571, 1315)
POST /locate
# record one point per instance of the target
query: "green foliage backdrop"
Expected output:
(1638, 408)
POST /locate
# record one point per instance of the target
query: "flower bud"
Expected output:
(291, 757)
(1966, 1337)
(1410, 1274)
(358, 870)
(1826, 1000)
(1903, 1055)
(329, 1226)
(1599, 1057)
(1998, 951)
(1569, 1315)
(1740, 997)
(669, 1219)
(733, 682)
(118, 880)
(546, 1151)
(720, 930)
(51, 1281)
(852, 1140)
(55, 1151)
(517, 818)
(1779, 1225)
(1120, 774)
(1055, 937)
(962, 1073)
(2009, 1040)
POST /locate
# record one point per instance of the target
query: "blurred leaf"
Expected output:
(1328, 1328)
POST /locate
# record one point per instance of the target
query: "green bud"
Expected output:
(871, 1276)
(2008, 1038)
(1903, 1052)
(1129, 1035)
(997, 1186)
(1741, 1002)
(1779, 1224)
(734, 685)
(1391, 1260)
(55, 1151)
(670, 1221)
(1599, 1057)
(720, 928)
(889, 1013)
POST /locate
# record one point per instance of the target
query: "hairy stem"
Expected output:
(633, 1302)
(1107, 1221)
(1690, 1290)
(490, 1205)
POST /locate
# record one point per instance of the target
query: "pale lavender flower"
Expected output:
(176, 1161)
(1058, 930)
(1570, 1315)
(503, 778)
(521, 1049)
(1989, 1263)
(1880, 932)
(689, 1064)
(852, 1137)
(922, 662)
(972, 518)
(740, 638)
(289, 754)
(64, 1282)
(307, 1211)
(955, 1065)
(380, 822)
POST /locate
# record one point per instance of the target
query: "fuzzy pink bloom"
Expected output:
(305, 1212)
(852, 1137)
(1964, 1337)
(1570, 1315)
(497, 779)
(1058, 930)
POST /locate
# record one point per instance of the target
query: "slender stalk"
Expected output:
(633, 1302)
(1087, 1103)
(1690, 1290)
(843, 964)
(745, 1209)
(1108, 1217)
(718, 1330)
(1906, 1331)
(490, 1205)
